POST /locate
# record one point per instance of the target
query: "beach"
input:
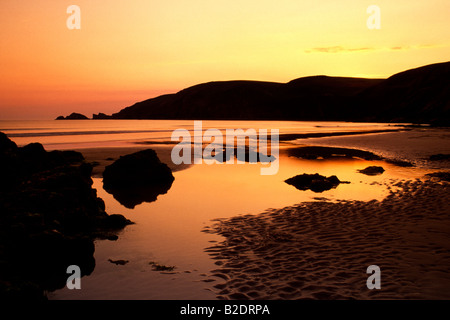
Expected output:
(227, 232)
(320, 249)
(206, 151)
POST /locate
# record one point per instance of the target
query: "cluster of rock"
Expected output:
(73, 116)
(79, 116)
(49, 218)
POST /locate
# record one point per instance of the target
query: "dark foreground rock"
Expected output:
(314, 182)
(49, 218)
(372, 171)
(137, 178)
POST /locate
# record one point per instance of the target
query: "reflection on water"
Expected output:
(168, 230)
(133, 195)
(76, 134)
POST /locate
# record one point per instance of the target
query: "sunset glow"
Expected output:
(129, 51)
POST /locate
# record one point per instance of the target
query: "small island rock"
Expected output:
(372, 170)
(314, 182)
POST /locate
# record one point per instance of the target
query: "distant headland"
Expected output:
(420, 95)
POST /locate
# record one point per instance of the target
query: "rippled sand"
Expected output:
(321, 250)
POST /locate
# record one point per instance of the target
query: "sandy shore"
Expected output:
(321, 250)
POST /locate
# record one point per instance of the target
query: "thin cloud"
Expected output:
(340, 49)
(337, 49)
(417, 47)
(397, 48)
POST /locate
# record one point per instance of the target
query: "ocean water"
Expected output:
(75, 134)
(168, 231)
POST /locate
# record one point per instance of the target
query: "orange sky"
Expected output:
(128, 51)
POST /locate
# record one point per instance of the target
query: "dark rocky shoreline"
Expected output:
(49, 218)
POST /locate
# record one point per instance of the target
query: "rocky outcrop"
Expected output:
(49, 218)
(100, 116)
(137, 178)
(314, 182)
(242, 154)
(73, 116)
(372, 170)
(312, 153)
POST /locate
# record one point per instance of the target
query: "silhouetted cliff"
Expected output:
(420, 95)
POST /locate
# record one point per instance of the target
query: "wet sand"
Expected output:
(321, 250)
(416, 145)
